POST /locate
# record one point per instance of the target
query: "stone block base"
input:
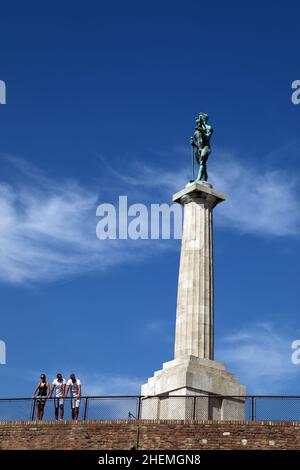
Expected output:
(190, 388)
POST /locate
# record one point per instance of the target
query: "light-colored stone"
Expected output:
(193, 370)
(195, 300)
(186, 377)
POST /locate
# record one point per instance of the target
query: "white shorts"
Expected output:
(58, 401)
(75, 403)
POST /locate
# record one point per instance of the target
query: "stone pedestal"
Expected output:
(183, 379)
(193, 372)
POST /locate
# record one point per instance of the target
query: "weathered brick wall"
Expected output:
(159, 435)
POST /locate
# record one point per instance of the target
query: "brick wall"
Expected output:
(160, 435)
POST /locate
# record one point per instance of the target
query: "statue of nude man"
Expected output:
(200, 141)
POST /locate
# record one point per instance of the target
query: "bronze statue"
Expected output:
(200, 142)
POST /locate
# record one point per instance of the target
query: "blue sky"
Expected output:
(101, 101)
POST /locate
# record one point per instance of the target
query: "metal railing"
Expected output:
(250, 408)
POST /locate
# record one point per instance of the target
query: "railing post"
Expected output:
(85, 409)
(139, 408)
(33, 410)
(194, 407)
(252, 408)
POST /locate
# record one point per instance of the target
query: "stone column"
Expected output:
(195, 301)
(193, 384)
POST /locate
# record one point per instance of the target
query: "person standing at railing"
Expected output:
(74, 385)
(59, 385)
(43, 389)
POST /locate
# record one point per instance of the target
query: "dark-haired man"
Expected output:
(75, 386)
(59, 385)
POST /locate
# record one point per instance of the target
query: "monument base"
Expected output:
(190, 376)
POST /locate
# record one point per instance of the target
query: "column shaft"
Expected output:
(195, 301)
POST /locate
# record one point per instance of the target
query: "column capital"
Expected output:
(201, 192)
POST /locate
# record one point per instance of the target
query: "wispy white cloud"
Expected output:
(110, 384)
(261, 358)
(259, 354)
(43, 232)
(153, 180)
(48, 227)
(260, 201)
(48, 230)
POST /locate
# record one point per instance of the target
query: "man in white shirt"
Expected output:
(59, 385)
(75, 386)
